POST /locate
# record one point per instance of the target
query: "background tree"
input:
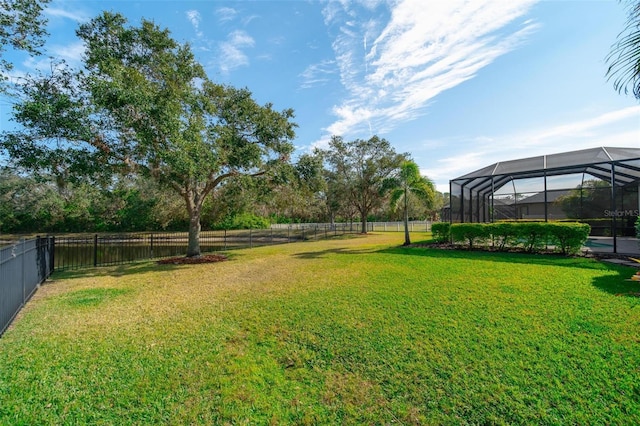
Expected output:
(624, 58)
(588, 200)
(360, 169)
(150, 109)
(407, 182)
(22, 27)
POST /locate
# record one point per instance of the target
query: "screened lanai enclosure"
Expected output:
(598, 186)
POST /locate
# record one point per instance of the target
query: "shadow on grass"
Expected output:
(116, 270)
(619, 284)
(323, 253)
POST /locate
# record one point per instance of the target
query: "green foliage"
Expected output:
(532, 235)
(28, 205)
(638, 227)
(568, 238)
(359, 170)
(471, 233)
(244, 221)
(409, 182)
(22, 27)
(441, 232)
(589, 200)
(503, 234)
(144, 105)
(624, 58)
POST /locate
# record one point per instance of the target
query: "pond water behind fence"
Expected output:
(78, 251)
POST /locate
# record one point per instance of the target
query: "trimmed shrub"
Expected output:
(440, 232)
(503, 234)
(471, 233)
(568, 237)
(531, 236)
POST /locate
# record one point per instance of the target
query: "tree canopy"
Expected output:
(359, 171)
(145, 105)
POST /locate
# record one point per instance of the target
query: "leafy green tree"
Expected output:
(27, 204)
(57, 133)
(145, 105)
(407, 182)
(588, 200)
(22, 27)
(298, 199)
(360, 169)
(624, 58)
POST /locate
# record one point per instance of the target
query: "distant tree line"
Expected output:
(32, 203)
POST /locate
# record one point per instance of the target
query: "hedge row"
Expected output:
(567, 238)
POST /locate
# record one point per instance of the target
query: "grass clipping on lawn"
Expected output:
(349, 331)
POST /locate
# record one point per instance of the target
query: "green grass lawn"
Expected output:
(346, 331)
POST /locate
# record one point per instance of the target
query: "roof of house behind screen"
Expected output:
(597, 162)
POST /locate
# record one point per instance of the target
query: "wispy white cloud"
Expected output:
(56, 12)
(619, 128)
(394, 62)
(318, 74)
(225, 14)
(195, 18)
(231, 50)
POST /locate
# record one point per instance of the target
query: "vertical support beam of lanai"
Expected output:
(546, 199)
(614, 231)
(493, 191)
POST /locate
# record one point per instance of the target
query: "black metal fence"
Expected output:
(24, 265)
(78, 251)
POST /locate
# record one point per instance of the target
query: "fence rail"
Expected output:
(78, 251)
(23, 267)
(414, 226)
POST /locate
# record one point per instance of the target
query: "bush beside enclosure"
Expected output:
(567, 238)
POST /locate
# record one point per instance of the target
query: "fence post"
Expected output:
(151, 244)
(52, 247)
(250, 240)
(289, 233)
(95, 250)
(225, 239)
(23, 274)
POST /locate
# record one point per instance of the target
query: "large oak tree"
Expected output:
(144, 104)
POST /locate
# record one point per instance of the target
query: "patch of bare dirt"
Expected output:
(182, 260)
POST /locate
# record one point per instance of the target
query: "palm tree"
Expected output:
(624, 58)
(409, 181)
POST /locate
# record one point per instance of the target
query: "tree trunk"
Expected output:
(193, 248)
(363, 219)
(407, 239)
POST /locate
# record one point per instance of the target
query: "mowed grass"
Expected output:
(346, 331)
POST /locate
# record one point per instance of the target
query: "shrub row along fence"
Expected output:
(567, 238)
(23, 267)
(79, 251)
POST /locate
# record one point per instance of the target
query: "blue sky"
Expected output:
(459, 84)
